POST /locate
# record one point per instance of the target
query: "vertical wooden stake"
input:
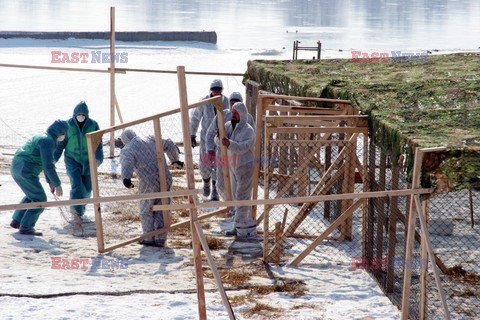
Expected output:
(423, 271)
(428, 244)
(112, 79)
(216, 275)
(92, 143)
(407, 275)
(162, 175)
(258, 139)
(266, 193)
(278, 235)
(223, 151)
(472, 221)
(197, 255)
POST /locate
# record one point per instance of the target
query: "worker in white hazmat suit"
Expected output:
(204, 114)
(139, 156)
(239, 140)
(214, 152)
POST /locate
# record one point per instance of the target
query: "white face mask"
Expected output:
(80, 118)
(61, 138)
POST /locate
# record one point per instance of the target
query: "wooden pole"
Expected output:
(407, 275)
(91, 147)
(472, 221)
(258, 141)
(426, 236)
(112, 79)
(278, 235)
(162, 175)
(197, 256)
(423, 271)
(117, 107)
(218, 104)
(266, 194)
(216, 275)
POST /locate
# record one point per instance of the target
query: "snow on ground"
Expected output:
(153, 283)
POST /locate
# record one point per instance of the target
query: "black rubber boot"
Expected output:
(148, 243)
(30, 231)
(231, 233)
(206, 187)
(15, 224)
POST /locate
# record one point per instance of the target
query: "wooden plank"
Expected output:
(302, 118)
(266, 194)
(181, 224)
(252, 91)
(428, 244)
(299, 130)
(349, 187)
(328, 163)
(270, 202)
(112, 80)
(278, 234)
(218, 104)
(297, 98)
(407, 277)
(303, 173)
(117, 107)
(347, 213)
(303, 110)
(162, 175)
(197, 257)
(201, 73)
(49, 204)
(310, 143)
(25, 66)
(433, 149)
(91, 147)
(258, 151)
(423, 271)
(216, 275)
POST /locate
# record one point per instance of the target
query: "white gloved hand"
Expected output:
(59, 191)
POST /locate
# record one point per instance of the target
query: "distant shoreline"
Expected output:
(129, 36)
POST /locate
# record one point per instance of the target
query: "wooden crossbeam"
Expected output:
(297, 98)
(344, 216)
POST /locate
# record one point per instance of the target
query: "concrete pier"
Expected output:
(202, 36)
